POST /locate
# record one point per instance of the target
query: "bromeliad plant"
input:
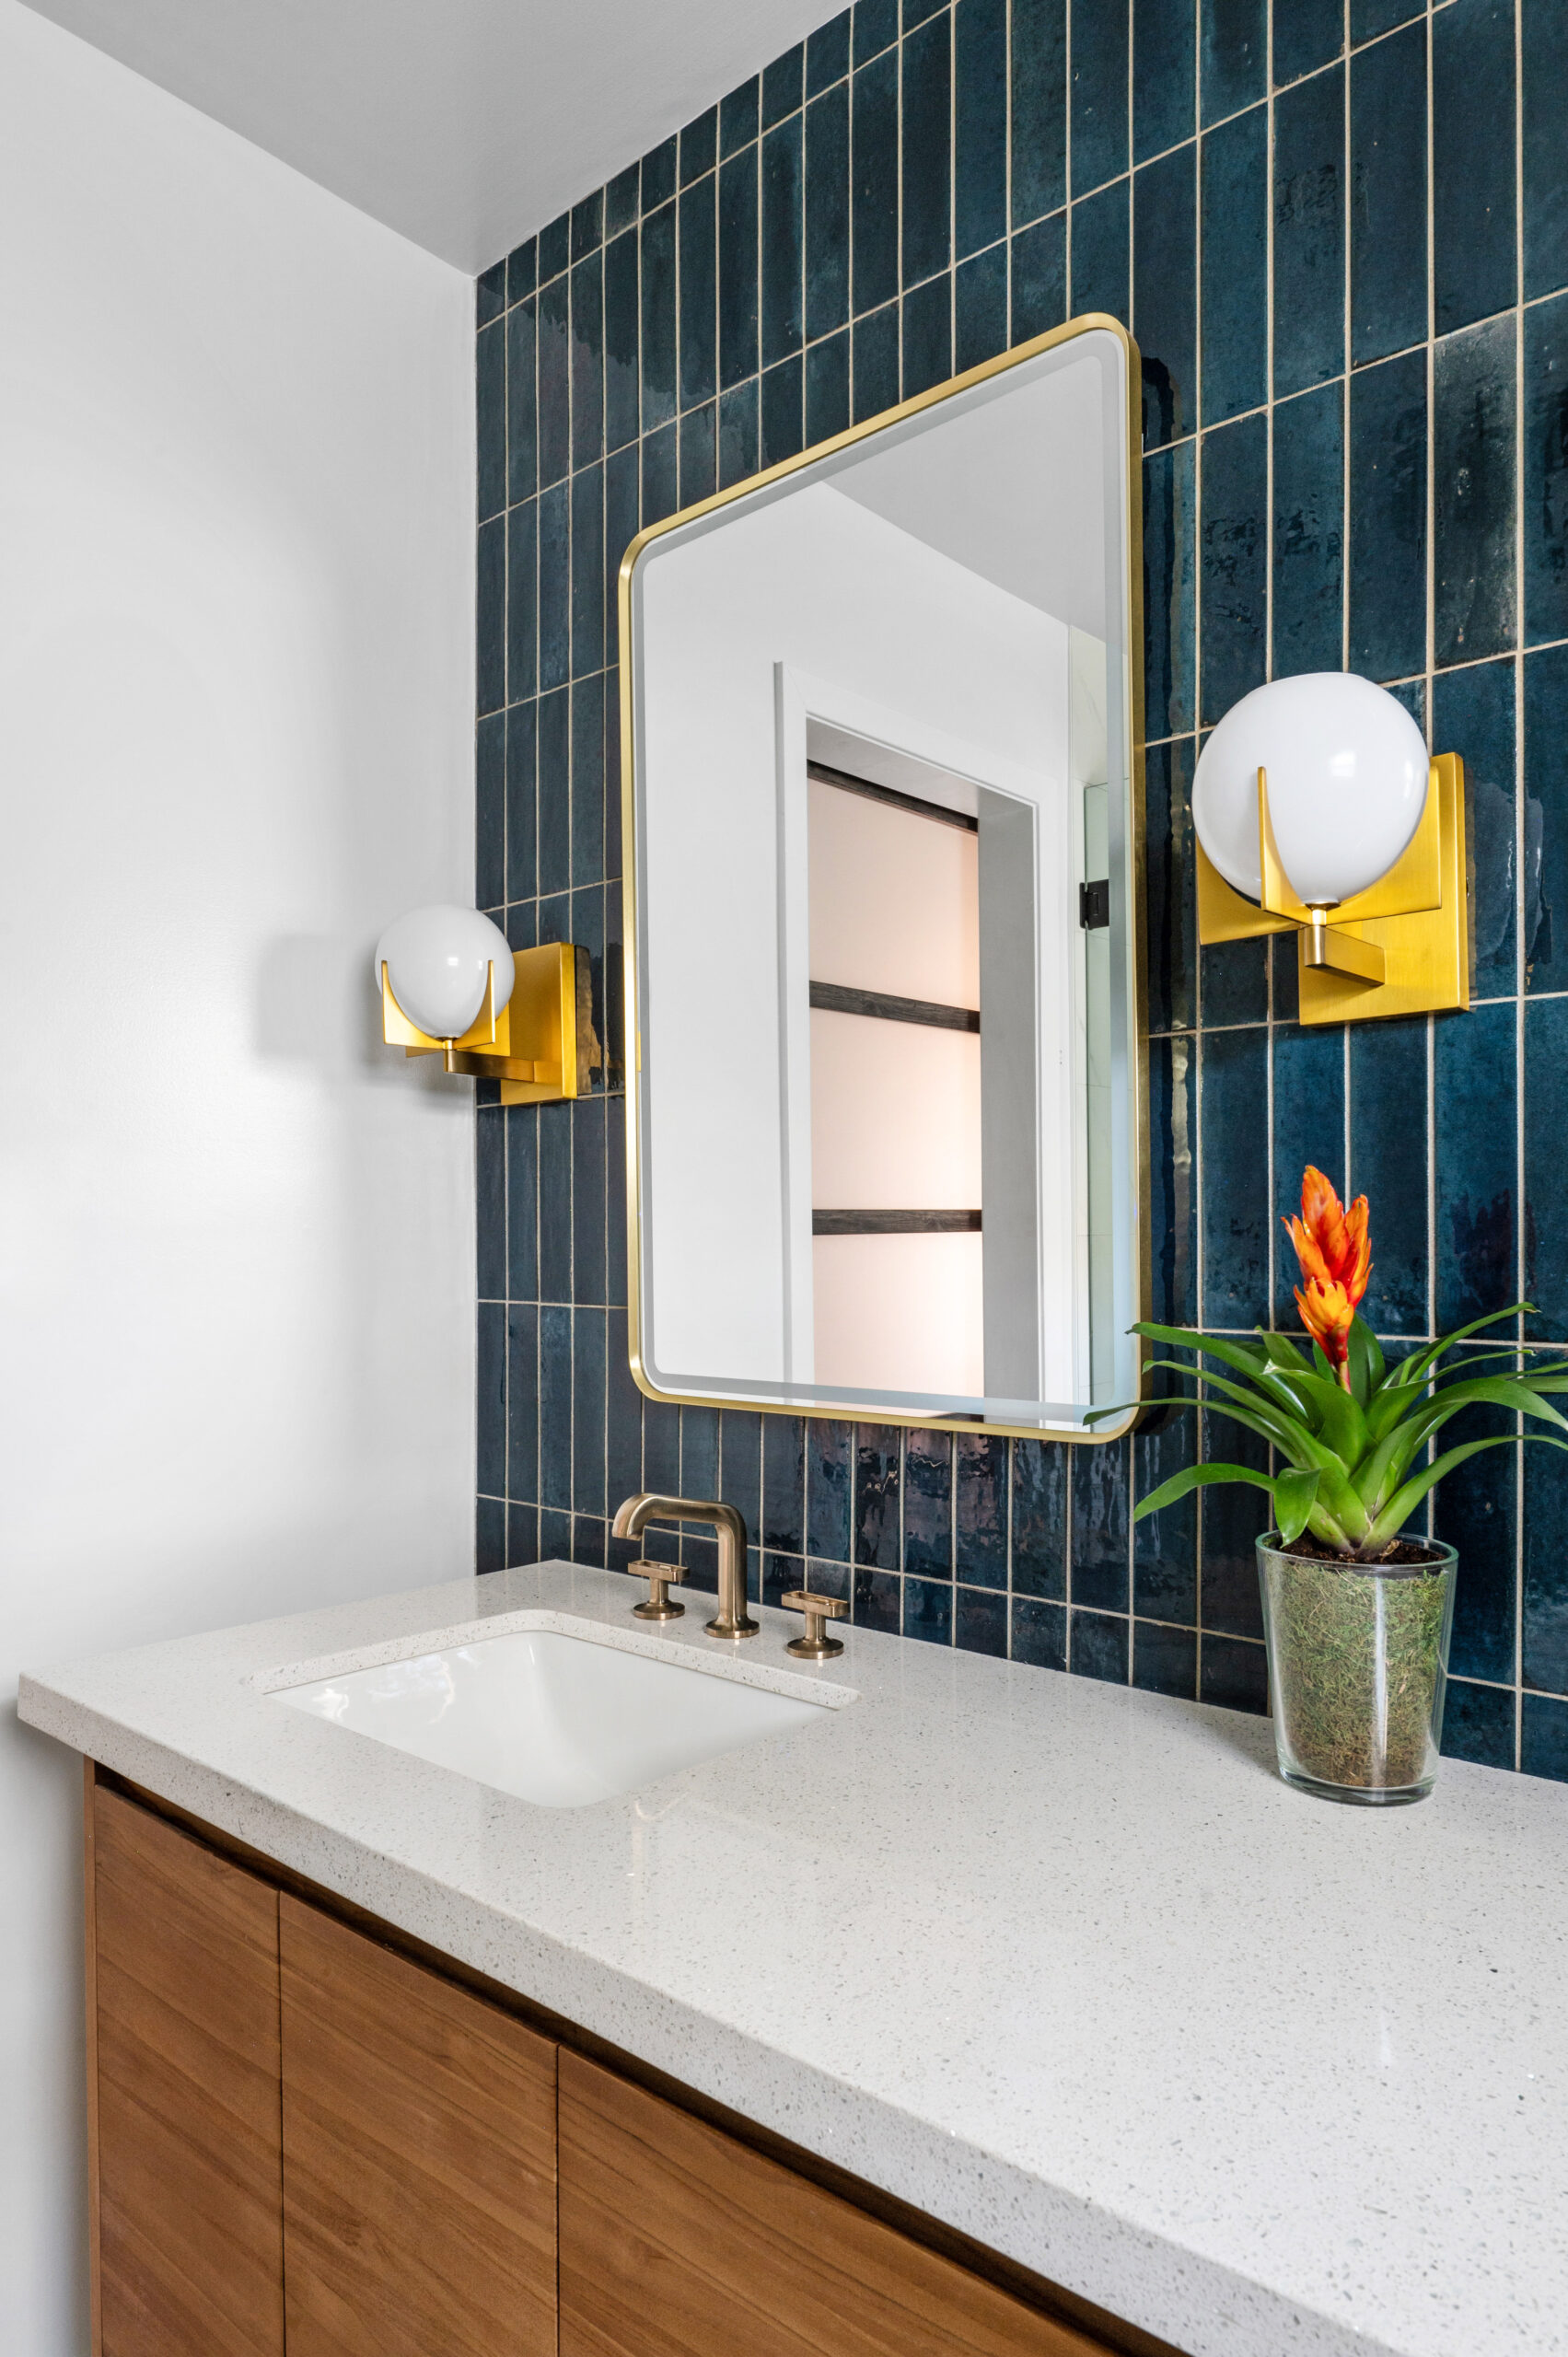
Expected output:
(1350, 1433)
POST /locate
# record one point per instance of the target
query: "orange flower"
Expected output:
(1335, 1253)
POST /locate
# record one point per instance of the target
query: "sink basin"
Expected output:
(559, 1719)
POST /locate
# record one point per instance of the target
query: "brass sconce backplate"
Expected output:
(1401, 947)
(541, 1046)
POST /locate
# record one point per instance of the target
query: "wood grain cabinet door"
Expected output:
(676, 2241)
(419, 2158)
(184, 1966)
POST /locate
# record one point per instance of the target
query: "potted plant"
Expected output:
(1356, 1605)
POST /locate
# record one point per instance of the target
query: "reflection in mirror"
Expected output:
(879, 740)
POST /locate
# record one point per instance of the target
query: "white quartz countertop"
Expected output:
(1063, 1964)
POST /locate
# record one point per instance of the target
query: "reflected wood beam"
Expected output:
(915, 1223)
(836, 998)
(913, 803)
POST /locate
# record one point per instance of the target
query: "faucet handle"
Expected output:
(659, 1577)
(819, 1610)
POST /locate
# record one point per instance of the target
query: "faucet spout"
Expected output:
(634, 1515)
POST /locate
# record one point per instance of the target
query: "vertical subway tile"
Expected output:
(1231, 1516)
(588, 780)
(1100, 256)
(1306, 34)
(659, 455)
(829, 1488)
(623, 1417)
(1387, 204)
(587, 570)
(876, 1496)
(1234, 1677)
(827, 53)
(522, 1400)
(587, 1411)
(554, 246)
(1039, 295)
(553, 378)
(553, 773)
(489, 627)
(1473, 590)
(489, 1536)
(1163, 62)
(621, 341)
(738, 434)
(928, 1506)
(554, 527)
(698, 455)
(1039, 1633)
(1165, 1660)
(1309, 1127)
(1309, 590)
(588, 224)
(980, 1515)
(827, 389)
(490, 1403)
(1543, 76)
(738, 292)
(1370, 18)
(980, 1621)
(1233, 560)
(875, 223)
(926, 133)
(1474, 266)
(1173, 1188)
(490, 294)
(1097, 1646)
(658, 324)
(781, 429)
(1236, 1212)
(522, 270)
(1472, 714)
(658, 174)
(927, 336)
(784, 1483)
(1170, 914)
(588, 360)
(877, 1600)
(739, 116)
(1389, 1165)
(1546, 1210)
(1100, 1524)
(826, 212)
(874, 362)
(1545, 487)
(521, 1234)
(521, 756)
(490, 812)
(875, 24)
(622, 200)
(1235, 264)
(1478, 1724)
(1234, 983)
(1040, 108)
(522, 608)
(489, 420)
(699, 294)
(928, 1611)
(555, 1408)
(782, 289)
(1309, 142)
(554, 1136)
(522, 412)
(1233, 56)
(1164, 1545)
(699, 1452)
(1474, 1150)
(1099, 92)
(1476, 1509)
(621, 518)
(784, 86)
(1546, 820)
(699, 146)
(980, 304)
(1387, 518)
(1169, 590)
(1544, 1632)
(1543, 1737)
(1164, 293)
(1039, 1518)
(740, 1467)
(979, 124)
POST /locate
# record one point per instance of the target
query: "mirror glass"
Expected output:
(883, 1111)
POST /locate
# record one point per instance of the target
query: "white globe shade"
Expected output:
(1347, 771)
(437, 960)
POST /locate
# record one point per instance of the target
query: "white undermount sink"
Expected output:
(558, 1717)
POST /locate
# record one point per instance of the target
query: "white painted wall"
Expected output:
(235, 1233)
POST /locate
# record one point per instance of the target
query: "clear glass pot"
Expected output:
(1358, 1665)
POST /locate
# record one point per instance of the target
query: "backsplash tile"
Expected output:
(890, 199)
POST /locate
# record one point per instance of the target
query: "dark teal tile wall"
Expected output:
(1346, 261)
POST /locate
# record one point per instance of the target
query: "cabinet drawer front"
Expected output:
(676, 2241)
(189, 2151)
(419, 2158)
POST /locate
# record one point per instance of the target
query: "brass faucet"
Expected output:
(632, 1516)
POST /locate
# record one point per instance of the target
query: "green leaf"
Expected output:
(1296, 1494)
(1365, 1360)
(1404, 1501)
(1239, 1356)
(1280, 1424)
(1197, 1477)
(1416, 1368)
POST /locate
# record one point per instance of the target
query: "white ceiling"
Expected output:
(465, 124)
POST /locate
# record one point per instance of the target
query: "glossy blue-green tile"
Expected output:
(555, 1404)
(1233, 563)
(980, 1514)
(1544, 1628)
(928, 1611)
(875, 371)
(1478, 1724)
(490, 294)
(1165, 292)
(588, 1197)
(1231, 1516)
(928, 1505)
(1546, 820)
(1474, 263)
(553, 1527)
(1039, 1633)
(1039, 1518)
(623, 1418)
(1234, 60)
(661, 1450)
(1545, 470)
(1101, 1509)
(587, 224)
(915, 12)
(1387, 518)
(1476, 1509)
(782, 248)
(1388, 218)
(699, 146)
(491, 1427)
(699, 294)
(554, 619)
(588, 1419)
(621, 518)
(622, 201)
(783, 431)
(490, 812)
(554, 1144)
(1040, 287)
(554, 381)
(1309, 1127)
(784, 86)
(925, 136)
(587, 570)
(520, 790)
(1546, 1201)
(489, 420)
(658, 174)
(876, 1496)
(827, 54)
(740, 1465)
(1098, 1644)
(1472, 714)
(490, 616)
(876, 1601)
(1165, 1661)
(829, 1488)
(699, 454)
(522, 610)
(738, 434)
(738, 290)
(874, 23)
(522, 270)
(661, 494)
(1101, 252)
(1306, 34)
(1164, 1545)
(1474, 1136)
(784, 1483)
(658, 324)
(927, 336)
(740, 117)
(1173, 1190)
(1543, 77)
(979, 308)
(1543, 1737)
(1170, 601)
(826, 212)
(699, 1453)
(875, 186)
(621, 341)
(1309, 197)
(1285, 962)
(522, 415)
(1236, 259)
(1099, 93)
(489, 1536)
(554, 790)
(1039, 110)
(521, 1233)
(525, 1529)
(1389, 1165)
(554, 246)
(1308, 600)
(1236, 1212)
(1370, 18)
(980, 1621)
(1171, 916)
(588, 780)
(979, 124)
(827, 389)
(1234, 1677)
(1164, 72)
(779, 1575)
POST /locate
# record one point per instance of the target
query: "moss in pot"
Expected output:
(1356, 1606)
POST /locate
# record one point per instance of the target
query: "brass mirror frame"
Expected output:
(845, 1412)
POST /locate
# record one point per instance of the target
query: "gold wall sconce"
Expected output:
(1318, 811)
(452, 987)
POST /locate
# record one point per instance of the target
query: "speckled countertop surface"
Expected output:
(1061, 1963)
